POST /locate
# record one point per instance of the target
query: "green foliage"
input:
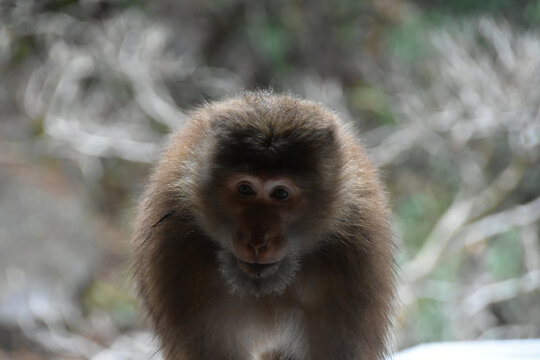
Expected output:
(67, 5)
(417, 213)
(448, 269)
(37, 128)
(24, 46)
(470, 7)
(159, 127)
(431, 321)
(373, 100)
(55, 5)
(414, 219)
(504, 256)
(408, 41)
(114, 300)
(532, 12)
(530, 183)
(520, 12)
(272, 40)
(274, 43)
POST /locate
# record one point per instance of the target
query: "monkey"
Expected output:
(264, 233)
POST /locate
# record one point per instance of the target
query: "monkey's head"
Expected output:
(268, 179)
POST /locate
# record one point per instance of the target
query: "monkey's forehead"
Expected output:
(258, 148)
(265, 132)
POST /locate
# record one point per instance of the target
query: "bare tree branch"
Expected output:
(501, 222)
(501, 291)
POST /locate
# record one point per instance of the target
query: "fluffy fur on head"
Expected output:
(333, 274)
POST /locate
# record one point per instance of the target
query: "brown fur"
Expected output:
(336, 306)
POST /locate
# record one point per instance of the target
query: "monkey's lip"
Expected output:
(258, 270)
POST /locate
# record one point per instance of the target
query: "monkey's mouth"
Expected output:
(258, 270)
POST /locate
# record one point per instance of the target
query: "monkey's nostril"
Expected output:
(258, 248)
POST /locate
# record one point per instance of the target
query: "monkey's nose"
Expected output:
(257, 247)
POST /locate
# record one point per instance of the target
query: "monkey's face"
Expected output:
(265, 193)
(260, 221)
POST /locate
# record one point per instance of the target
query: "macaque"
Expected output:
(264, 234)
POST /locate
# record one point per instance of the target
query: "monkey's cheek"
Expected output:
(258, 271)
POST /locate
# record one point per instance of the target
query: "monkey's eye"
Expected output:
(245, 189)
(280, 194)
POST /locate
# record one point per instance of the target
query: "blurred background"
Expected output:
(445, 93)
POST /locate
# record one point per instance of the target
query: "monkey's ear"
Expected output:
(164, 216)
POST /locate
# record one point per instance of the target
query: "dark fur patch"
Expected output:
(257, 149)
